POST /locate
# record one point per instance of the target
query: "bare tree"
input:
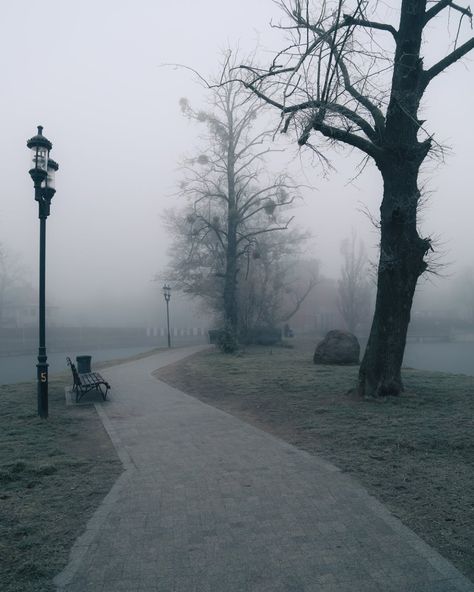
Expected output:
(464, 292)
(347, 77)
(233, 201)
(273, 280)
(353, 285)
(11, 278)
(278, 280)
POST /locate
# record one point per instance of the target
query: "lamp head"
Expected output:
(40, 147)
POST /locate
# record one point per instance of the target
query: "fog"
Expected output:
(91, 73)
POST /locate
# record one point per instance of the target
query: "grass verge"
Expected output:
(415, 453)
(53, 475)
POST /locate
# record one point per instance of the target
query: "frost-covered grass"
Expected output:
(53, 474)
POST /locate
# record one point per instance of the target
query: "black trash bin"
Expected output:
(83, 364)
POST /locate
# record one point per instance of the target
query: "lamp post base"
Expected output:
(42, 375)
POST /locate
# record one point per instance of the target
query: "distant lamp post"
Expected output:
(167, 295)
(42, 171)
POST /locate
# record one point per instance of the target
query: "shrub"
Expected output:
(225, 340)
(262, 336)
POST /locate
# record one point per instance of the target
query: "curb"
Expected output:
(93, 526)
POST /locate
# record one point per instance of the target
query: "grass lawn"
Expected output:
(53, 475)
(415, 453)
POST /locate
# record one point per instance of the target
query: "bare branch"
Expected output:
(335, 108)
(447, 61)
(300, 298)
(341, 135)
(350, 20)
(261, 95)
(265, 230)
(441, 5)
(376, 113)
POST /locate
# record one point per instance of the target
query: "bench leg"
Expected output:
(103, 388)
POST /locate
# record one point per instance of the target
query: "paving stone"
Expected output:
(209, 503)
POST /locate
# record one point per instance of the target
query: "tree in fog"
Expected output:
(275, 281)
(232, 200)
(353, 286)
(464, 290)
(11, 278)
(274, 277)
(346, 76)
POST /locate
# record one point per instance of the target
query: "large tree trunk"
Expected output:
(401, 263)
(402, 250)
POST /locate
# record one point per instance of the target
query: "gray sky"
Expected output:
(89, 73)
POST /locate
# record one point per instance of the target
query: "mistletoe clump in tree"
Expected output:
(348, 77)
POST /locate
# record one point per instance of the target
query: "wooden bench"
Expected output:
(85, 382)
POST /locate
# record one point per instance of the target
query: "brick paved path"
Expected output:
(208, 503)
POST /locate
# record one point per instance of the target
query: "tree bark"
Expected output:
(230, 281)
(401, 263)
(402, 250)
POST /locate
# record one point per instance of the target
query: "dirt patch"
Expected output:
(53, 475)
(414, 453)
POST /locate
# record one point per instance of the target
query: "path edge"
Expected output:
(95, 522)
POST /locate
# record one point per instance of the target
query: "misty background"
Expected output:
(93, 75)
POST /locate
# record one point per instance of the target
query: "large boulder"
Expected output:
(338, 347)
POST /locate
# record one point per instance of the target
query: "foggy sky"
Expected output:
(90, 73)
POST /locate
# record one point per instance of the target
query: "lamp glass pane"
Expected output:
(39, 156)
(51, 178)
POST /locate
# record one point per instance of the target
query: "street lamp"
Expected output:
(167, 295)
(42, 171)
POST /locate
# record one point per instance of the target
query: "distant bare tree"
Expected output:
(353, 285)
(232, 200)
(464, 289)
(277, 282)
(11, 277)
(348, 77)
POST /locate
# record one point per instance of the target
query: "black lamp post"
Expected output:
(42, 172)
(167, 295)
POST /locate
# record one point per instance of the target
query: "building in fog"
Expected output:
(24, 315)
